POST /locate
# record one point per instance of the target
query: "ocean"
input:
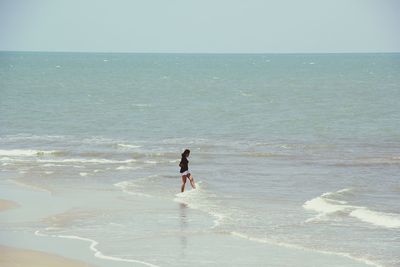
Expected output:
(296, 158)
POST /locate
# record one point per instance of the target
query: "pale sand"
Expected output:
(13, 257)
(7, 204)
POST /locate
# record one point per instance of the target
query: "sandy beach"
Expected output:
(11, 257)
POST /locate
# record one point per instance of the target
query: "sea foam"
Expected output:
(25, 152)
(199, 200)
(93, 247)
(389, 220)
(127, 146)
(326, 205)
(298, 247)
(83, 160)
(128, 187)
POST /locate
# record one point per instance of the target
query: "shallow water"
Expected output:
(293, 154)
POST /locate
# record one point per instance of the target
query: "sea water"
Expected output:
(296, 157)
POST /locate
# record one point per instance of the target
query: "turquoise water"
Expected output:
(299, 152)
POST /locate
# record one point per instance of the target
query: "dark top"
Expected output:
(184, 164)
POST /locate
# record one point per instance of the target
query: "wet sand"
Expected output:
(12, 257)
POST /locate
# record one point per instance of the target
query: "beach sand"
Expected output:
(192, 237)
(12, 257)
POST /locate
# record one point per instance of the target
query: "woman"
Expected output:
(184, 164)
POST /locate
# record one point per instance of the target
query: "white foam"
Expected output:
(128, 146)
(127, 168)
(326, 205)
(150, 162)
(52, 165)
(298, 247)
(389, 220)
(93, 247)
(19, 137)
(14, 159)
(196, 199)
(126, 185)
(82, 160)
(323, 205)
(24, 152)
(83, 173)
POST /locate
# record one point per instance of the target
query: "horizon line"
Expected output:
(200, 53)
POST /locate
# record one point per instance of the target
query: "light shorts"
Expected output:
(185, 173)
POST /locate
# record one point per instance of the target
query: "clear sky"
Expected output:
(205, 26)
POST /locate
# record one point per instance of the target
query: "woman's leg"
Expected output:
(191, 179)
(183, 183)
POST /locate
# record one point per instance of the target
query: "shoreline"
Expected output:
(81, 249)
(13, 256)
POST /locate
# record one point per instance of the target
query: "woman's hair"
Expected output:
(186, 153)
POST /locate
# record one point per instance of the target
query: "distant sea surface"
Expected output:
(297, 151)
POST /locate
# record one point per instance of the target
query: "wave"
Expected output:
(298, 247)
(326, 205)
(128, 188)
(127, 168)
(198, 199)
(151, 161)
(82, 160)
(389, 220)
(323, 205)
(127, 146)
(26, 152)
(20, 137)
(93, 247)
(52, 165)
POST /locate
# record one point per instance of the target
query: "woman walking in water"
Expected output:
(184, 164)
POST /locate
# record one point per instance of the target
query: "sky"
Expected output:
(201, 26)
